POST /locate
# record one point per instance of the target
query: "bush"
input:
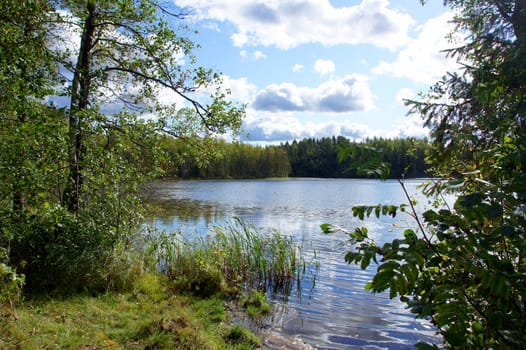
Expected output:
(256, 304)
(59, 253)
(11, 284)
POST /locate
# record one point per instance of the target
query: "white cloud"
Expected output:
(324, 67)
(404, 94)
(411, 126)
(241, 89)
(281, 127)
(287, 24)
(422, 60)
(243, 54)
(348, 94)
(256, 55)
(269, 127)
(298, 67)
(212, 26)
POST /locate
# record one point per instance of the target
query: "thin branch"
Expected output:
(171, 133)
(415, 213)
(163, 9)
(201, 111)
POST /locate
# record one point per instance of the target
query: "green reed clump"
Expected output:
(268, 261)
(236, 255)
(189, 263)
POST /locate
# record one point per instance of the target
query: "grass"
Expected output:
(256, 304)
(151, 316)
(236, 257)
(181, 306)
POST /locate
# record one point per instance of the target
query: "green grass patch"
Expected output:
(256, 304)
(241, 337)
(150, 316)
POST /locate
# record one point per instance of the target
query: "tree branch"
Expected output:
(415, 213)
(163, 9)
(201, 111)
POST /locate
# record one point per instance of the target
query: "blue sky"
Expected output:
(316, 68)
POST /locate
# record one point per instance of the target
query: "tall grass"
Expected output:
(236, 255)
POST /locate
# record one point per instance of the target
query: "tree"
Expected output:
(27, 125)
(71, 173)
(22, 48)
(464, 266)
(128, 51)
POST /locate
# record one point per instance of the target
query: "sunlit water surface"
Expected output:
(332, 310)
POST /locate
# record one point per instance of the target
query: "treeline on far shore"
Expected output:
(306, 158)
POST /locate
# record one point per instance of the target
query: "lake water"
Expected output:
(333, 311)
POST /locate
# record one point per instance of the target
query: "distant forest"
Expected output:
(306, 158)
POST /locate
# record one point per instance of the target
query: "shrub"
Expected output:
(58, 252)
(11, 284)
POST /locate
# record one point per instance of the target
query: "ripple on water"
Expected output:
(337, 313)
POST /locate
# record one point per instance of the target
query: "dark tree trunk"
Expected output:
(79, 102)
(18, 195)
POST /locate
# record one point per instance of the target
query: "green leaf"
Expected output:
(455, 184)
(425, 346)
(369, 286)
(410, 273)
(394, 286)
(382, 280)
(352, 257)
(410, 236)
(326, 228)
(431, 216)
(360, 234)
(389, 266)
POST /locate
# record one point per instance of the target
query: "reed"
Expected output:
(236, 255)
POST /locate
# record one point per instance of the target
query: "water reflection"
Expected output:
(337, 313)
(169, 211)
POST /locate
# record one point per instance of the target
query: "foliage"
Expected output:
(452, 273)
(305, 158)
(463, 266)
(11, 284)
(129, 54)
(322, 158)
(232, 160)
(50, 247)
(80, 128)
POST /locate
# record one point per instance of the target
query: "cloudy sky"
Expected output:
(315, 68)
